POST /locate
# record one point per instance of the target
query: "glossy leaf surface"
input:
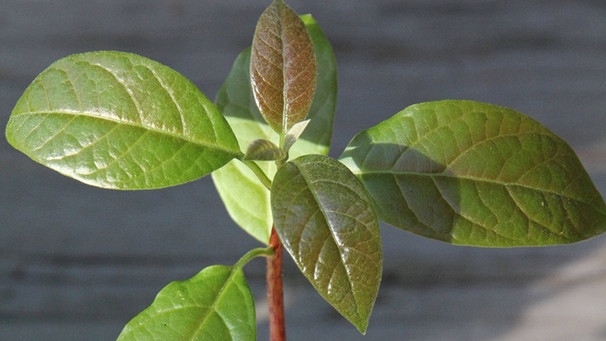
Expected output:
(283, 67)
(326, 221)
(216, 304)
(121, 121)
(235, 100)
(476, 174)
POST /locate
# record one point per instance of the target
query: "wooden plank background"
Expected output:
(76, 263)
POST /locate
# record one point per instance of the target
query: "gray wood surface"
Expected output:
(76, 263)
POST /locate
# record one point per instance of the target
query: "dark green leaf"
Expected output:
(476, 174)
(216, 304)
(325, 220)
(118, 120)
(283, 67)
(235, 100)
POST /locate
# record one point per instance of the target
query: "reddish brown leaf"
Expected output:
(283, 67)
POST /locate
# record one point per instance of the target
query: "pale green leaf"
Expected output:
(216, 304)
(246, 198)
(476, 174)
(235, 180)
(121, 121)
(236, 101)
(326, 221)
(294, 133)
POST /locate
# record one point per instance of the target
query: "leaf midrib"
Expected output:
(213, 308)
(475, 179)
(93, 115)
(210, 309)
(334, 240)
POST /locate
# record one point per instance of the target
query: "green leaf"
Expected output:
(121, 121)
(216, 304)
(236, 101)
(283, 67)
(318, 133)
(326, 221)
(476, 174)
(235, 180)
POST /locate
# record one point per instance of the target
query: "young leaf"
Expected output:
(476, 174)
(294, 134)
(122, 121)
(325, 220)
(235, 99)
(263, 150)
(282, 67)
(216, 304)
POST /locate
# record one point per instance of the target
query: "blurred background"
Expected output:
(76, 262)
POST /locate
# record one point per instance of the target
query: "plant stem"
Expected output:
(275, 291)
(259, 173)
(267, 252)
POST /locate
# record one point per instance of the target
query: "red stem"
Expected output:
(275, 291)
